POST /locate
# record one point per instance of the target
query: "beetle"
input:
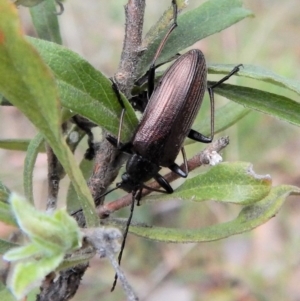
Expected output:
(166, 122)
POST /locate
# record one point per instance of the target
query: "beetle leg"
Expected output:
(199, 137)
(176, 169)
(185, 161)
(212, 100)
(124, 147)
(86, 126)
(232, 72)
(61, 8)
(113, 141)
(163, 183)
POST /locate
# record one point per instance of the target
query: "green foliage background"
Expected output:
(261, 265)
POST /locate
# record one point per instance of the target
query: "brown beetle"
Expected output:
(167, 120)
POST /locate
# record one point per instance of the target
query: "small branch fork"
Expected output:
(199, 159)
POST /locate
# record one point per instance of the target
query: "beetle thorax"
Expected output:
(138, 171)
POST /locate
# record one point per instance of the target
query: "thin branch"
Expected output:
(106, 168)
(55, 172)
(108, 159)
(126, 74)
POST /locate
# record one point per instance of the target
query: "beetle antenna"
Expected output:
(212, 99)
(61, 8)
(151, 75)
(134, 193)
(120, 127)
(163, 42)
(118, 185)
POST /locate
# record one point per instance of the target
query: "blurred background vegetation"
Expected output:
(261, 265)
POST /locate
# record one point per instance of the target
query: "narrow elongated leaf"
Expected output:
(209, 18)
(30, 274)
(31, 155)
(4, 193)
(226, 182)
(45, 21)
(231, 113)
(272, 104)
(259, 73)
(85, 90)
(6, 215)
(5, 294)
(72, 202)
(28, 3)
(28, 83)
(249, 218)
(23, 252)
(21, 65)
(6, 246)
(17, 144)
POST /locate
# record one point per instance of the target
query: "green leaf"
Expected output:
(76, 259)
(226, 182)
(209, 18)
(17, 144)
(72, 199)
(6, 246)
(4, 193)
(51, 237)
(4, 101)
(28, 83)
(225, 117)
(22, 67)
(249, 218)
(55, 233)
(86, 91)
(5, 294)
(258, 73)
(31, 155)
(6, 215)
(30, 274)
(272, 104)
(45, 21)
(230, 113)
(28, 3)
(22, 252)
